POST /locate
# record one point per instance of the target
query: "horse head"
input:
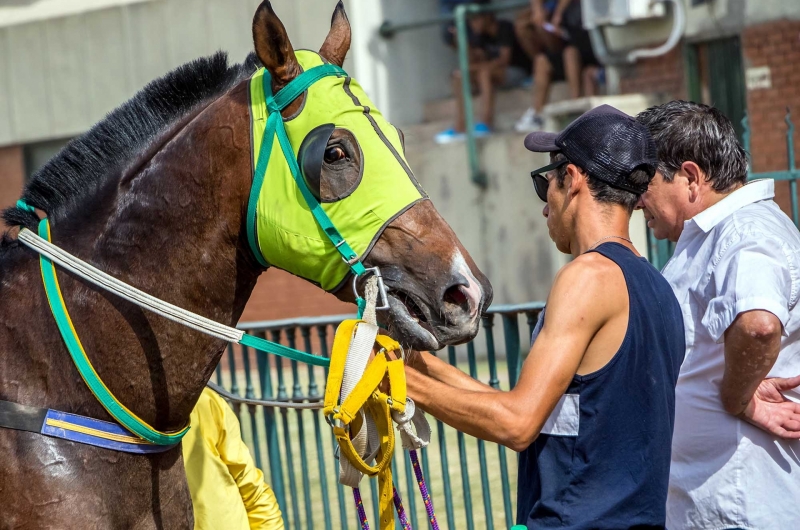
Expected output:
(352, 161)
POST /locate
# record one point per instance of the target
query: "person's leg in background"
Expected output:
(460, 124)
(572, 70)
(591, 75)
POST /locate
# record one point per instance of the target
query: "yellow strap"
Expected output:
(67, 426)
(366, 395)
(371, 379)
(341, 344)
(383, 422)
(397, 382)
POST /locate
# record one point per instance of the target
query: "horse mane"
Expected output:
(87, 162)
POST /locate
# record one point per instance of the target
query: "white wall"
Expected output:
(61, 75)
(402, 73)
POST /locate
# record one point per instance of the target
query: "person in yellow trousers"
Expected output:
(228, 491)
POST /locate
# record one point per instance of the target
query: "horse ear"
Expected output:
(337, 42)
(273, 47)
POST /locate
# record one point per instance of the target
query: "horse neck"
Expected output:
(173, 230)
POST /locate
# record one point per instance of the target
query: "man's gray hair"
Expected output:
(686, 131)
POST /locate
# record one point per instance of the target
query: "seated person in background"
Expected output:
(228, 490)
(560, 48)
(496, 60)
(448, 7)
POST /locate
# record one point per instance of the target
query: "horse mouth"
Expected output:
(410, 322)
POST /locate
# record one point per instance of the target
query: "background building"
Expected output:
(65, 63)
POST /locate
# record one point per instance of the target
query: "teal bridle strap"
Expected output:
(118, 411)
(275, 126)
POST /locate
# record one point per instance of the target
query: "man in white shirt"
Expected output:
(736, 273)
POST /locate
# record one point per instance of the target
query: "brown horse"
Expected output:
(156, 194)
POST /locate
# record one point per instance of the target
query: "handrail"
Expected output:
(462, 11)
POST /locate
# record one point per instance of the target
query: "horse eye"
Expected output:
(334, 154)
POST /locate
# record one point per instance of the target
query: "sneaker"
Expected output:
(482, 130)
(449, 136)
(529, 122)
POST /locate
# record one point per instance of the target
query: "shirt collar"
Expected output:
(757, 190)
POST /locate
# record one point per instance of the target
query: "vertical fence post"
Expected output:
(746, 144)
(249, 393)
(271, 428)
(287, 438)
(513, 358)
(462, 453)
(487, 495)
(448, 495)
(234, 384)
(322, 333)
(297, 392)
(478, 177)
(790, 152)
(488, 323)
(313, 392)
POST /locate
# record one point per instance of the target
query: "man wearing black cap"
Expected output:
(592, 412)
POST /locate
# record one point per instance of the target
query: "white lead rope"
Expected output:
(131, 294)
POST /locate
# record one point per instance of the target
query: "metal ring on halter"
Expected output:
(383, 298)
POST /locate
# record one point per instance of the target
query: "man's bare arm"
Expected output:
(435, 368)
(752, 344)
(576, 310)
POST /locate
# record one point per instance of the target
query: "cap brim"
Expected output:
(541, 142)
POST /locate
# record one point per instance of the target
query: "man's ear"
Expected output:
(574, 180)
(695, 178)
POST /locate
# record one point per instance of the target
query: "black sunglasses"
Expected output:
(540, 182)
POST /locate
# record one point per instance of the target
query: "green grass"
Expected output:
(303, 429)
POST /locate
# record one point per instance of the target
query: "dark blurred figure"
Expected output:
(551, 33)
(496, 61)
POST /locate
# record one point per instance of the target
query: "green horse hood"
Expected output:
(287, 234)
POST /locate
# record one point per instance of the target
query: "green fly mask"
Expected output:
(289, 225)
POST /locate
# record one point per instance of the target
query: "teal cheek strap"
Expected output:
(275, 127)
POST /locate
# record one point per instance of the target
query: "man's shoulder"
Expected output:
(589, 265)
(758, 225)
(762, 219)
(590, 278)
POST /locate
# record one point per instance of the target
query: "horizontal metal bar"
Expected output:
(389, 29)
(268, 325)
(516, 308)
(297, 402)
(775, 175)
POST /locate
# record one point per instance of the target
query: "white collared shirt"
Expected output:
(741, 254)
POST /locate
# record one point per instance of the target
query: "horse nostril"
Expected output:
(455, 296)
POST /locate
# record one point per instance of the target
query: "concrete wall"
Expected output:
(403, 73)
(61, 75)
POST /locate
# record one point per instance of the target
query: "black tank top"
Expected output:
(602, 459)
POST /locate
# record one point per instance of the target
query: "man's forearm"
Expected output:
(435, 368)
(752, 344)
(486, 414)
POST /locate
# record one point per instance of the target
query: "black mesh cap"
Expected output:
(605, 142)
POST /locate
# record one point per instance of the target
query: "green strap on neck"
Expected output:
(275, 126)
(118, 411)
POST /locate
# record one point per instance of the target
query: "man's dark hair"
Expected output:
(601, 190)
(686, 131)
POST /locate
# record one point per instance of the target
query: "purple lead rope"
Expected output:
(423, 489)
(401, 512)
(362, 516)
